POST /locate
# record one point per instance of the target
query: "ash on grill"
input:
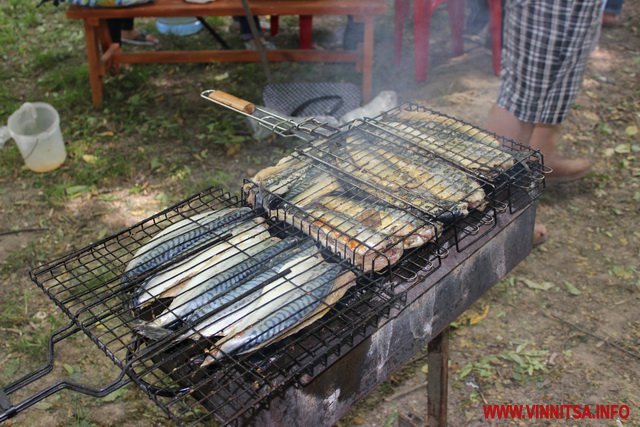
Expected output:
(216, 304)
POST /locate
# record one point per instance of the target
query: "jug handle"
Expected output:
(5, 135)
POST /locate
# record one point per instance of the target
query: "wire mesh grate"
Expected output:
(438, 179)
(187, 371)
(217, 304)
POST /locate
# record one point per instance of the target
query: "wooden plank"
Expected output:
(234, 7)
(438, 380)
(169, 56)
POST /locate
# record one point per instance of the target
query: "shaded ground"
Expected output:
(154, 142)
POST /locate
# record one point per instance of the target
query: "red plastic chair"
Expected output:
(422, 13)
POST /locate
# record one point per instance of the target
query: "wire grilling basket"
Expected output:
(217, 304)
(99, 289)
(375, 190)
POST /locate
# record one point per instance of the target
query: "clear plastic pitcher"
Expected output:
(35, 127)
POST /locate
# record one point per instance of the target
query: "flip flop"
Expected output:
(142, 38)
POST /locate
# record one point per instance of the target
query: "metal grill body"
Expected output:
(433, 302)
(399, 213)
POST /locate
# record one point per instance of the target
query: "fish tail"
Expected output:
(153, 332)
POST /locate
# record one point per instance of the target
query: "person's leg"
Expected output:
(115, 29)
(545, 138)
(614, 7)
(247, 36)
(504, 123)
(612, 12)
(478, 17)
(245, 29)
(132, 36)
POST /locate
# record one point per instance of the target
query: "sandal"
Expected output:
(140, 38)
(540, 234)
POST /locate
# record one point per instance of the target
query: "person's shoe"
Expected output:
(138, 38)
(540, 234)
(567, 170)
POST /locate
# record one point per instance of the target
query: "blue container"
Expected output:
(184, 26)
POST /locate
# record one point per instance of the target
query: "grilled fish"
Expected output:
(278, 179)
(429, 117)
(459, 147)
(345, 235)
(410, 171)
(181, 237)
(169, 282)
(241, 297)
(392, 177)
(390, 221)
(317, 185)
(203, 288)
(286, 306)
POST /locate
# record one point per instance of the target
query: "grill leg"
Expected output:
(438, 380)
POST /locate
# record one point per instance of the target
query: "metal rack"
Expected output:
(91, 287)
(438, 170)
(380, 172)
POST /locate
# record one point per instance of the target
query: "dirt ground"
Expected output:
(563, 328)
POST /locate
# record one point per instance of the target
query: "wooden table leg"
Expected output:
(91, 33)
(306, 26)
(438, 380)
(367, 58)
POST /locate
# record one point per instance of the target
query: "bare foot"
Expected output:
(540, 234)
(567, 170)
(610, 20)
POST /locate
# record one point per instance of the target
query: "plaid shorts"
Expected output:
(546, 47)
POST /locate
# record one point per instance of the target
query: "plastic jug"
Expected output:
(35, 127)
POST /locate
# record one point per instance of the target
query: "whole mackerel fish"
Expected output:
(454, 141)
(210, 284)
(284, 308)
(387, 220)
(181, 237)
(240, 298)
(168, 283)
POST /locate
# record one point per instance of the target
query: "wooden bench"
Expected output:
(103, 54)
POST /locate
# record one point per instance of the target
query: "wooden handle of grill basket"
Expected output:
(233, 101)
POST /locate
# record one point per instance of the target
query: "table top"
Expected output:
(234, 7)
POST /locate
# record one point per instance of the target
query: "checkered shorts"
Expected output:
(546, 46)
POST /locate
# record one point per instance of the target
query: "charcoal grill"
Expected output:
(397, 304)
